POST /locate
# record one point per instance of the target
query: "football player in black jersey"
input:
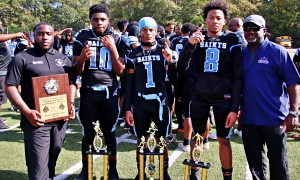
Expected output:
(98, 59)
(217, 81)
(176, 45)
(146, 88)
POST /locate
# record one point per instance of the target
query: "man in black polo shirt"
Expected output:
(43, 141)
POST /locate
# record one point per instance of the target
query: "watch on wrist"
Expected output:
(295, 113)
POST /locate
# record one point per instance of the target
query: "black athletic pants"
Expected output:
(254, 139)
(42, 147)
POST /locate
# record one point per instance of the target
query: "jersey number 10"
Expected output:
(105, 63)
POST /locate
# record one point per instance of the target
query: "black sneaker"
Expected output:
(3, 126)
(166, 175)
(83, 175)
(194, 175)
(113, 174)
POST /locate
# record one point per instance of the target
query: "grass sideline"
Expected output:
(13, 167)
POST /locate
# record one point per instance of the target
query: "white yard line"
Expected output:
(10, 128)
(174, 156)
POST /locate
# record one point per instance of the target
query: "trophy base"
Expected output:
(198, 164)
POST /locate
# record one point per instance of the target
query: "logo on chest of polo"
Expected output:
(219, 45)
(263, 60)
(148, 58)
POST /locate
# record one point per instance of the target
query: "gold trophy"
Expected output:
(152, 150)
(196, 159)
(98, 144)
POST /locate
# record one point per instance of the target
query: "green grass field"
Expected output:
(13, 167)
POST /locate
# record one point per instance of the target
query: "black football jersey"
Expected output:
(178, 43)
(218, 64)
(150, 69)
(98, 70)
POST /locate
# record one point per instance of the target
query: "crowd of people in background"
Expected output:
(146, 72)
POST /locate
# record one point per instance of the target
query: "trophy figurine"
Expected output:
(98, 144)
(197, 151)
(162, 143)
(151, 142)
(151, 150)
(196, 159)
(142, 143)
(97, 139)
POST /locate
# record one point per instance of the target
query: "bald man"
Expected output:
(236, 25)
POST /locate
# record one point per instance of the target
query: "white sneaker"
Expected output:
(77, 94)
(212, 135)
(206, 145)
(238, 133)
(186, 148)
(123, 124)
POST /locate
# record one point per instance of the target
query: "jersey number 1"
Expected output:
(105, 63)
(148, 67)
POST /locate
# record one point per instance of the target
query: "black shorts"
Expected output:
(95, 106)
(145, 111)
(199, 113)
(3, 98)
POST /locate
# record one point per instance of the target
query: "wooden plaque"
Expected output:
(52, 97)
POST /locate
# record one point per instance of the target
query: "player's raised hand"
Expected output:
(86, 53)
(197, 36)
(108, 41)
(167, 52)
(20, 35)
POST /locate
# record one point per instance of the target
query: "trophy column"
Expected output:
(196, 154)
(98, 143)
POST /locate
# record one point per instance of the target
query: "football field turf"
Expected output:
(13, 167)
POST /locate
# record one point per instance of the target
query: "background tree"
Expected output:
(282, 16)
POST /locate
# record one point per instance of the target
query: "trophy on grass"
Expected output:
(98, 150)
(196, 159)
(153, 148)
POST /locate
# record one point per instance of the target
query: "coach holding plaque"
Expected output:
(43, 139)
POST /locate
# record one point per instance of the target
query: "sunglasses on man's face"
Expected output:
(253, 28)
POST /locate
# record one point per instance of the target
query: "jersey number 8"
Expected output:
(211, 60)
(105, 63)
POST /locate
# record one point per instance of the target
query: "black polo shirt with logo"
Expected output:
(35, 63)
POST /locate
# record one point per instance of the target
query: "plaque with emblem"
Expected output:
(52, 96)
